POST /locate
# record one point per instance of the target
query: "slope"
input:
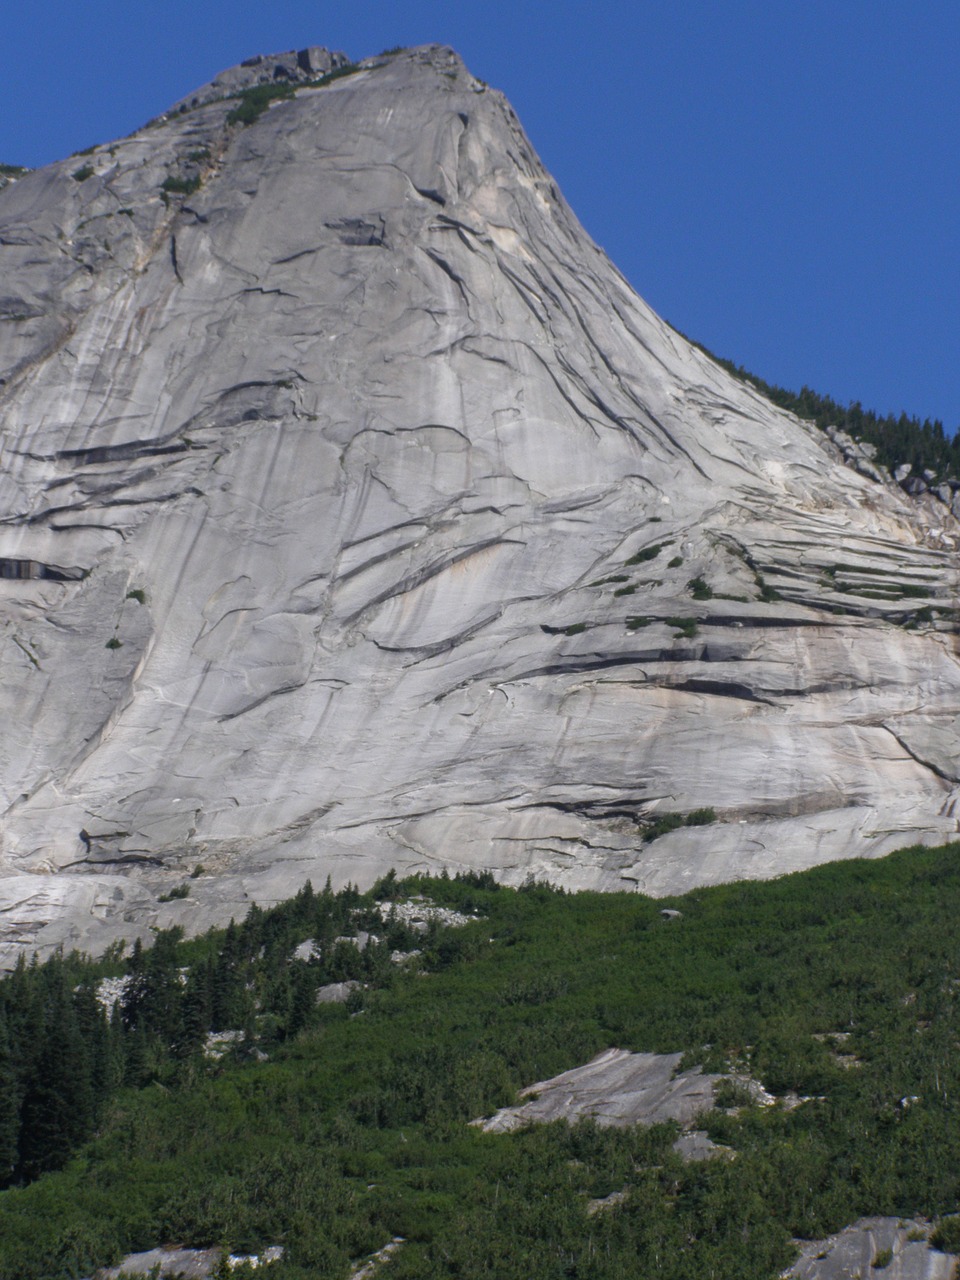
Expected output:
(357, 514)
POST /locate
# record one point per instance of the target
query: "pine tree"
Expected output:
(9, 1108)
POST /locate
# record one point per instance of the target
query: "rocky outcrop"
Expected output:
(356, 513)
(616, 1088)
(297, 66)
(891, 1247)
(186, 1264)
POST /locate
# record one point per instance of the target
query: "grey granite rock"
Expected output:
(349, 510)
(186, 1264)
(616, 1088)
(337, 992)
(296, 66)
(889, 1247)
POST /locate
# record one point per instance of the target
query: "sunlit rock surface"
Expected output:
(186, 1264)
(616, 1088)
(323, 491)
(890, 1247)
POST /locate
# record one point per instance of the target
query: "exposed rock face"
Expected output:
(356, 513)
(616, 1089)
(185, 1264)
(298, 66)
(889, 1247)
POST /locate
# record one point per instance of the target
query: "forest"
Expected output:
(332, 1128)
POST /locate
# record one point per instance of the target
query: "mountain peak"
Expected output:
(294, 66)
(359, 514)
(305, 67)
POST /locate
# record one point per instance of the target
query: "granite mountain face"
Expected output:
(357, 514)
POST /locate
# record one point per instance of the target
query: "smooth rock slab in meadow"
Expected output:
(616, 1088)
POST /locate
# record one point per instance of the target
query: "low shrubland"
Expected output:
(332, 1128)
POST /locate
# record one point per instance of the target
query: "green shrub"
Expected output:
(113, 643)
(83, 173)
(946, 1235)
(180, 891)
(699, 589)
(137, 594)
(254, 101)
(883, 1259)
(728, 1094)
(767, 594)
(675, 563)
(636, 623)
(647, 553)
(672, 821)
(661, 825)
(625, 591)
(684, 626)
(181, 186)
(700, 818)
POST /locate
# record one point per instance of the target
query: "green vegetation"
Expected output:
(637, 623)
(181, 186)
(180, 891)
(83, 173)
(699, 589)
(883, 1259)
(731, 1094)
(665, 822)
(684, 626)
(12, 171)
(113, 643)
(575, 629)
(137, 594)
(648, 553)
(675, 563)
(355, 1128)
(768, 594)
(254, 101)
(626, 591)
(946, 1235)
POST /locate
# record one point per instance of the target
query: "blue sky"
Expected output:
(779, 180)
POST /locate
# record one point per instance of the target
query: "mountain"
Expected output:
(357, 514)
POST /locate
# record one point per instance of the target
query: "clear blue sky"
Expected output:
(780, 180)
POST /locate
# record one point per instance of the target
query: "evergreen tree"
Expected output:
(9, 1108)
